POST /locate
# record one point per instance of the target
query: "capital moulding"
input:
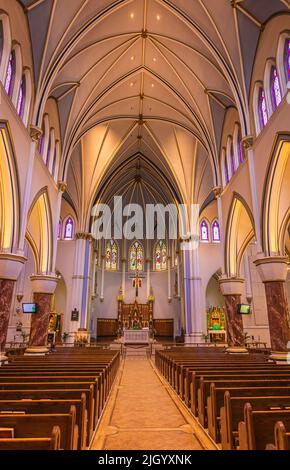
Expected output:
(84, 236)
(232, 285)
(217, 190)
(35, 133)
(11, 265)
(43, 283)
(62, 186)
(272, 268)
(248, 142)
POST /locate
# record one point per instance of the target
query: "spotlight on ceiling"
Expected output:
(158, 17)
(132, 15)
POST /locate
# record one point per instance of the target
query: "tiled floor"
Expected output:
(144, 414)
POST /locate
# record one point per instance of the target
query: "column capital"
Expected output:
(124, 260)
(232, 286)
(217, 190)
(35, 133)
(61, 186)
(44, 284)
(11, 265)
(248, 142)
(148, 260)
(272, 268)
(84, 236)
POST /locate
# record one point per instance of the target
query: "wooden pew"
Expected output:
(231, 413)
(59, 406)
(256, 430)
(39, 443)
(39, 425)
(56, 394)
(282, 437)
(245, 381)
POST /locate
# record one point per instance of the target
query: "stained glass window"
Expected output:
(41, 141)
(204, 232)
(275, 88)
(216, 235)
(21, 98)
(69, 229)
(136, 257)
(263, 109)
(111, 255)
(59, 229)
(160, 256)
(10, 75)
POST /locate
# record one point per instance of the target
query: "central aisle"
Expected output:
(144, 414)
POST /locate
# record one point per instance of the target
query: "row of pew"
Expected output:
(55, 402)
(243, 401)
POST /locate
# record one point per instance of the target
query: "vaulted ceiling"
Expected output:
(151, 78)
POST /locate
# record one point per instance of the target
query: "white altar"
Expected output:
(136, 336)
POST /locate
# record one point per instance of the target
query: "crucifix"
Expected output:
(137, 283)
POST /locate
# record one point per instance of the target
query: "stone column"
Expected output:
(35, 134)
(124, 262)
(43, 288)
(10, 268)
(103, 278)
(248, 142)
(232, 290)
(61, 189)
(148, 263)
(273, 272)
(169, 278)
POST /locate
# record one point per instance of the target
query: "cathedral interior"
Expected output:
(126, 106)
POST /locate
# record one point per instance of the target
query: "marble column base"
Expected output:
(234, 322)
(6, 295)
(194, 338)
(36, 351)
(280, 358)
(278, 315)
(237, 350)
(40, 322)
(3, 359)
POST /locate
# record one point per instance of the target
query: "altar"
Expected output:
(136, 336)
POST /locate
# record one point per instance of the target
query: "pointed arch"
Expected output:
(6, 45)
(276, 195)
(39, 229)
(9, 201)
(239, 232)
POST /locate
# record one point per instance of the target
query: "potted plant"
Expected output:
(65, 336)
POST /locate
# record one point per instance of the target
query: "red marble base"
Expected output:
(278, 315)
(40, 320)
(234, 322)
(6, 296)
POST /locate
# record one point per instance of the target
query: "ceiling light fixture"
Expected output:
(158, 17)
(154, 59)
(132, 16)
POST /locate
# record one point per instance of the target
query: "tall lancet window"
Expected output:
(232, 159)
(1, 41)
(216, 234)
(204, 231)
(240, 147)
(287, 59)
(69, 229)
(111, 255)
(160, 256)
(59, 230)
(263, 112)
(10, 75)
(21, 99)
(275, 88)
(136, 257)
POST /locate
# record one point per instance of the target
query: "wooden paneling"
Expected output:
(164, 327)
(107, 327)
